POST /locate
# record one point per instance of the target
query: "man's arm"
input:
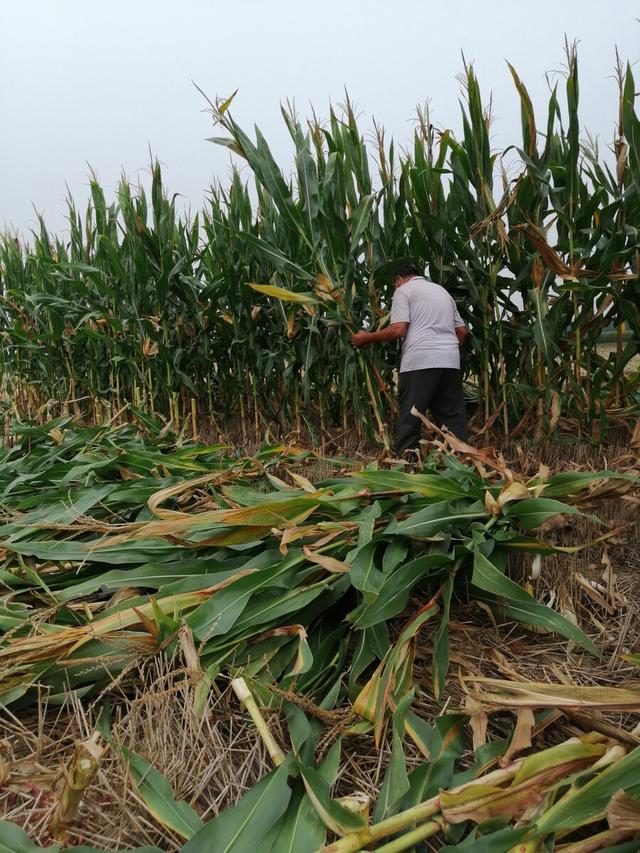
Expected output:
(392, 332)
(462, 333)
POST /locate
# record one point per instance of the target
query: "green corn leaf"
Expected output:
(85, 849)
(534, 512)
(365, 574)
(394, 555)
(158, 797)
(273, 255)
(521, 606)
(359, 221)
(243, 827)
(396, 587)
(529, 133)
(300, 829)
(429, 485)
(366, 524)
(13, 839)
(437, 517)
(125, 553)
(587, 803)
(631, 125)
(309, 189)
(151, 576)
(396, 782)
(542, 333)
(572, 483)
(440, 661)
(442, 744)
(219, 613)
(334, 816)
(501, 840)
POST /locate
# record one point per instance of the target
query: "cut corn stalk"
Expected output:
(245, 696)
(77, 778)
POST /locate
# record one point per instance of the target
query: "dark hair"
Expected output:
(405, 270)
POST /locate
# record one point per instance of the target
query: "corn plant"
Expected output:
(243, 313)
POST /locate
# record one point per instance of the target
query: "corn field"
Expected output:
(418, 661)
(243, 313)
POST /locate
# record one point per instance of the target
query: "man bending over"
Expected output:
(425, 315)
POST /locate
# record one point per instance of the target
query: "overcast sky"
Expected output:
(95, 83)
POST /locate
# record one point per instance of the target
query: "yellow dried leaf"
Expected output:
(506, 695)
(556, 410)
(358, 803)
(325, 288)
(281, 293)
(292, 327)
(535, 567)
(477, 722)
(301, 481)
(127, 474)
(491, 504)
(154, 319)
(367, 700)
(514, 491)
(328, 563)
(623, 812)
(521, 738)
(149, 348)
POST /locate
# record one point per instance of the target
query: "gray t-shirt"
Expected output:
(432, 316)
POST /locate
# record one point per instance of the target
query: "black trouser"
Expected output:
(438, 389)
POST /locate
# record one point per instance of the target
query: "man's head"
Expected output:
(405, 273)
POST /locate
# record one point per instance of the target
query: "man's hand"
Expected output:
(359, 339)
(462, 333)
(382, 336)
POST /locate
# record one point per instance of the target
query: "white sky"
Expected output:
(89, 82)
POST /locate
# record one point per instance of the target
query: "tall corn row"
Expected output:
(141, 307)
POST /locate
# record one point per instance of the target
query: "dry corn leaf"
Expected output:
(593, 593)
(57, 435)
(487, 457)
(328, 563)
(494, 694)
(301, 481)
(292, 327)
(623, 812)
(521, 737)
(149, 348)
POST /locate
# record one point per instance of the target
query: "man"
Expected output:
(425, 315)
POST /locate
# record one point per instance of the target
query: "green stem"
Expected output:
(426, 830)
(416, 814)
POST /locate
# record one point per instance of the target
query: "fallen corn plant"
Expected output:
(548, 795)
(543, 798)
(115, 549)
(286, 584)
